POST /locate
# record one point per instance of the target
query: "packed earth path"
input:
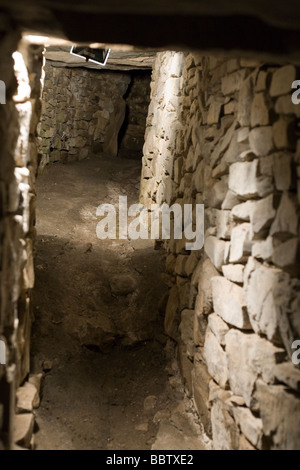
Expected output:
(110, 377)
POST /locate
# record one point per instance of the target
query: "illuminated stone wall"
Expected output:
(19, 160)
(223, 133)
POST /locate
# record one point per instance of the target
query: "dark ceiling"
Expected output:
(240, 26)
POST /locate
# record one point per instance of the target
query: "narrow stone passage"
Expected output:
(98, 332)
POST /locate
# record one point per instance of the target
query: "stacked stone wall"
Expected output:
(224, 133)
(21, 70)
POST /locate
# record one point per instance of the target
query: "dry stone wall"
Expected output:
(137, 102)
(19, 159)
(89, 108)
(224, 133)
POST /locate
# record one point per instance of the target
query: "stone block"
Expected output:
(250, 357)
(261, 140)
(241, 244)
(284, 133)
(246, 92)
(285, 255)
(282, 170)
(27, 398)
(282, 80)
(250, 426)
(223, 224)
(234, 272)
(280, 414)
(23, 429)
(229, 302)
(243, 180)
(214, 248)
(224, 429)
(260, 110)
(232, 82)
(200, 381)
(172, 317)
(286, 220)
(288, 374)
(215, 358)
(259, 285)
(218, 327)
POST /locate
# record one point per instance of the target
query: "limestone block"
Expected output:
(242, 178)
(172, 317)
(180, 264)
(234, 272)
(246, 92)
(232, 82)
(262, 214)
(229, 302)
(284, 105)
(285, 254)
(242, 211)
(260, 110)
(23, 429)
(288, 374)
(241, 242)
(215, 248)
(261, 140)
(214, 110)
(186, 326)
(261, 83)
(224, 429)
(215, 358)
(185, 366)
(263, 249)
(200, 381)
(284, 133)
(223, 223)
(27, 398)
(282, 170)
(286, 220)
(229, 201)
(250, 357)
(217, 193)
(282, 80)
(206, 273)
(218, 327)
(231, 107)
(200, 321)
(250, 426)
(259, 285)
(280, 413)
(287, 307)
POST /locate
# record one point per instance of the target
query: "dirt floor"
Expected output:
(109, 379)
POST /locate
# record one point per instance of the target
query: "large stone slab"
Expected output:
(200, 381)
(215, 358)
(261, 140)
(259, 285)
(282, 80)
(286, 220)
(250, 426)
(229, 302)
(224, 429)
(250, 357)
